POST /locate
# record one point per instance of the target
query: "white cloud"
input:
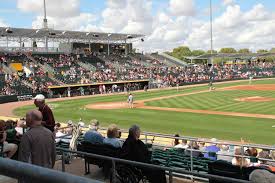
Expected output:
(182, 7)
(130, 16)
(228, 2)
(81, 22)
(60, 8)
(252, 29)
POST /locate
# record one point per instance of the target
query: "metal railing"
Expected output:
(170, 171)
(27, 172)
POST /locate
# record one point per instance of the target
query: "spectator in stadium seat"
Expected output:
(195, 146)
(201, 146)
(239, 161)
(93, 136)
(134, 149)
(38, 143)
(48, 118)
(112, 136)
(212, 150)
(182, 145)
(263, 155)
(272, 156)
(8, 148)
(253, 153)
(176, 141)
(225, 154)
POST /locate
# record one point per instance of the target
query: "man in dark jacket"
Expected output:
(48, 118)
(135, 150)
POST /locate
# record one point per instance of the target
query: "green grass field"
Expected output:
(254, 130)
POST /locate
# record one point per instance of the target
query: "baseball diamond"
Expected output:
(192, 111)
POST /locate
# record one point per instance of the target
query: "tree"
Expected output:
(214, 51)
(262, 51)
(228, 50)
(197, 52)
(181, 52)
(244, 50)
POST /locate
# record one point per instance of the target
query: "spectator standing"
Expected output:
(37, 144)
(47, 114)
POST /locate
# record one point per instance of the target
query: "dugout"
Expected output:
(92, 89)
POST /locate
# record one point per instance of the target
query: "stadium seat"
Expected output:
(225, 169)
(100, 149)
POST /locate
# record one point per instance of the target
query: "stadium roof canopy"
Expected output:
(66, 36)
(230, 55)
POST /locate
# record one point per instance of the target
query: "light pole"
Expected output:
(211, 27)
(45, 22)
(45, 26)
(211, 77)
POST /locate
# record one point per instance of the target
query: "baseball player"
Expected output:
(131, 101)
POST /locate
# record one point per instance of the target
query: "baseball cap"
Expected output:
(39, 97)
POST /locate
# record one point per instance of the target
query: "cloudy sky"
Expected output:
(166, 23)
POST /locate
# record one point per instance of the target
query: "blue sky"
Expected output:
(166, 23)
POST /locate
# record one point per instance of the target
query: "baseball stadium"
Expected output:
(86, 106)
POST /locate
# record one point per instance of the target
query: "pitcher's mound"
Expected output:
(255, 99)
(108, 105)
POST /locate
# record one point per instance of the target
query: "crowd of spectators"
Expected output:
(117, 67)
(232, 154)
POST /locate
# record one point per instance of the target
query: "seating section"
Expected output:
(44, 70)
(176, 158)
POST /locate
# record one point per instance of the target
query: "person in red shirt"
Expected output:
(48, 118)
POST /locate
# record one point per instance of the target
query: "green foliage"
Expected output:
(197, 52)
(181, 52)
(262, 51)
(228, 50)
(214, 51)
(272, 50)
(244, 50)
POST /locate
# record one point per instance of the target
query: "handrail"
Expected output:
(189, 138)
(140, 164)
(19, 170)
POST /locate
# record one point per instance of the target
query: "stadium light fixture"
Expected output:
(95, 35)
(52, 33)
(8, 30)
(129, 37)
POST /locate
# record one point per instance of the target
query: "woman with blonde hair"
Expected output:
(112, 136)
(240, 161)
